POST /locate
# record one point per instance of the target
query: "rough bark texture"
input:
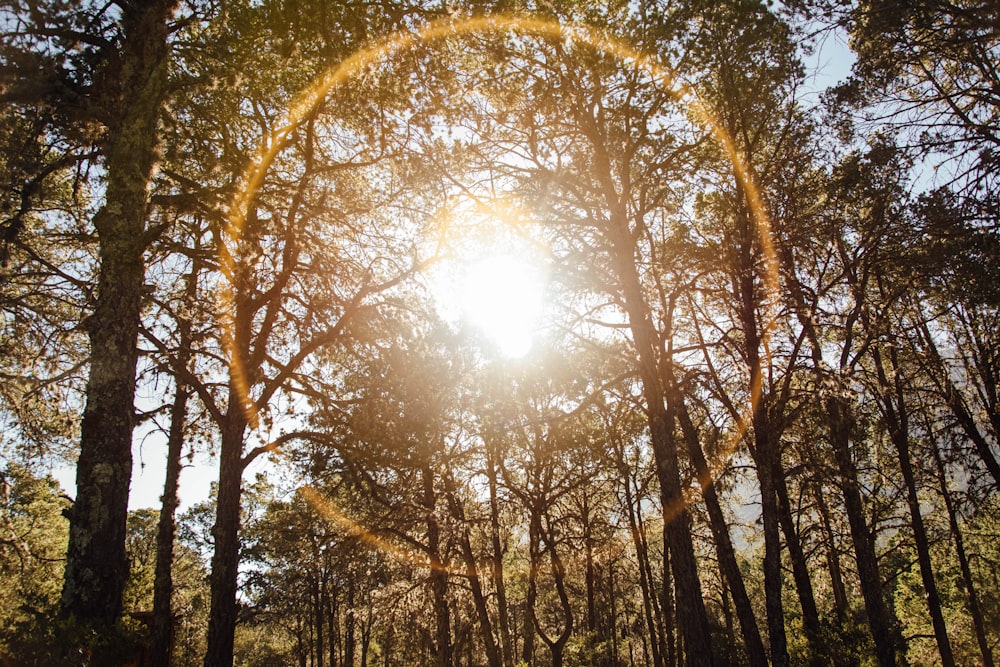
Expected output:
(96, 563)
(225, 558)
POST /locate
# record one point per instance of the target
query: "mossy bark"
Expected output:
(96, 564)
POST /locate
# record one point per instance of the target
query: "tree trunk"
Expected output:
(349, 621)
(671, 650)
(725, 552)
(800, 573)
(884, 629)
(772, 555)
(475, 585)
(226, 532)
(841, 605)
(333, 625)
(317, 616)
(588, 566)
(161, 630)
(978, 622)
(895, 412)
(692, 616)
(840, 421)
(506, 645)
(645, 572)
(442, 648)
(537, 539)
(96, 563)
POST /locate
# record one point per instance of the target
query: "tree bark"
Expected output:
(96, 563)
(841, 605)
(162, 626)
(472, 575)
(800, 574)
(895, 413)
(978, 622)
(225, 558)
(442, 648)
(692, 616)
(840, 420)
(725, 552)
(645, 572)
(503, 617)
(161, 630)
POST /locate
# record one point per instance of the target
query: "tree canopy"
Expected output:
(515, 333)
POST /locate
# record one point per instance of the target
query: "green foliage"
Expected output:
(32, 550)
(980, 532)
(32, 554)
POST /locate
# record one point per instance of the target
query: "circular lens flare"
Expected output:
(309, 100)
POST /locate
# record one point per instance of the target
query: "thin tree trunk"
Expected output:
(438, 577)
(772, 556)
(613, 623)
(472, 575)
(366, 636)
(885, 630)
(692, 616)
(725, 552)
(840, 420)
(841, 605)
(765, 450)
(161, 631)
(671, 650)
(645, 572)
(318, 616)
(96, 562)
(955, 401)
(536, 540)
(978, 622)
(895, 412)
(503, 616)
(387, 647)
(332, 626)
(528, 649)
(800, 573)
(588, 566)
(225, 559)
(162, 625)
(349, 622)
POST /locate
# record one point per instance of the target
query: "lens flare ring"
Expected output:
(336, 75)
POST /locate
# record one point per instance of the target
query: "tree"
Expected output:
(110, 69)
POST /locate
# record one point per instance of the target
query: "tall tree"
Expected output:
(107, 68)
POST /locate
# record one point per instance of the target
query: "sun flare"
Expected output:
(501, 296)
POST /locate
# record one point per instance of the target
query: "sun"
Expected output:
(502, 296)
